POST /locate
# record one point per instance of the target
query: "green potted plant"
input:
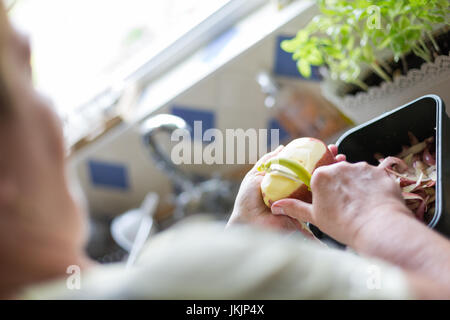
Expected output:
(376, 54)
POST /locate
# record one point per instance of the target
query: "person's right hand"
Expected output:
(346, 197)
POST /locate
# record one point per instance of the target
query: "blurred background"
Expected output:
(123, 74)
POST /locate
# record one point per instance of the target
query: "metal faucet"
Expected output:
(193, 193)
(166, 123)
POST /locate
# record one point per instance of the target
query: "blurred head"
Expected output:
(41, 226)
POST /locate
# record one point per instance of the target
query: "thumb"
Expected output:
(293, 208)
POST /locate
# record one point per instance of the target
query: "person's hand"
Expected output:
(334, 150)
(249, 206)
(346, 197)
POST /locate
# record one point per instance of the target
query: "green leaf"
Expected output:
(334, 52)
(302, 36)
(412, 35)
(315, 57)
(304, 67)
(289, 45)
(385, 43)
(404, 22)
(368, 53)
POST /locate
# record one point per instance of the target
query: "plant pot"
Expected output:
(431, 78)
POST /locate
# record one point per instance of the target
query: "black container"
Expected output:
(424, 117)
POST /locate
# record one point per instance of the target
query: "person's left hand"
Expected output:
(249, 206)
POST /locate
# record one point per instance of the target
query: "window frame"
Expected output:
(154, 66)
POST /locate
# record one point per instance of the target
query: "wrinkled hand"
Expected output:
(249, 206)
(346, 197)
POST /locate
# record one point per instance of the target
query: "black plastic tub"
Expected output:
(424, 117)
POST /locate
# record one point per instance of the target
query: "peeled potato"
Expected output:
(297, 160)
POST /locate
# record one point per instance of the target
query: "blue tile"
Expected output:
(108, 174)
(283, 134)
(190, 115)
(285, 66)
(214, 48)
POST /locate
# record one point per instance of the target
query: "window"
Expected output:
(80, 47)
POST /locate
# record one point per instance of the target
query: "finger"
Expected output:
(333, 149)
(293, 208)
(340, 157)
(266, 157)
